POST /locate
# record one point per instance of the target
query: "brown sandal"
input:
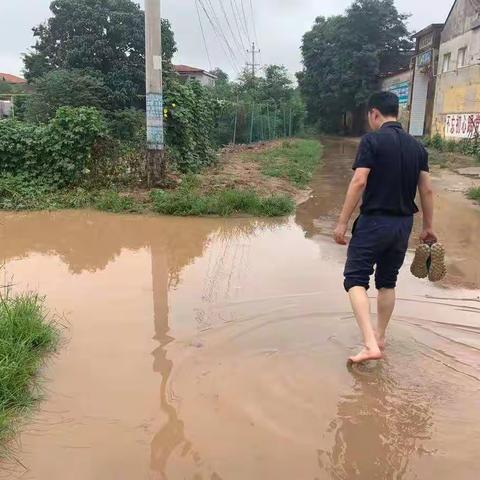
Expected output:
(438, 268)
(419, 266)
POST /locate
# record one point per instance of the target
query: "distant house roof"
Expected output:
(430, 28)
(185, 69)
(6, 77)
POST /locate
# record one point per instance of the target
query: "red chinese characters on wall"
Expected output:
(464, 125)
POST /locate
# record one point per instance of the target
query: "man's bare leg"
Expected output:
(386, 304)
(361, 308)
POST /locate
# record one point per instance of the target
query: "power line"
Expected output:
(253, 21)
(238, 17)
(238, 24)
(252, 11)
(220, 34)
(234, 37)
(244, 16)
(203, 34)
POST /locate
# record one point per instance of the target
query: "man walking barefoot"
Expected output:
(389, 167)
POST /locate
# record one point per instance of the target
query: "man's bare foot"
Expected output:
(365, 355)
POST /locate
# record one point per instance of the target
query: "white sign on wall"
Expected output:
(462, 125)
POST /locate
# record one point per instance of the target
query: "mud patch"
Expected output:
(237, 168)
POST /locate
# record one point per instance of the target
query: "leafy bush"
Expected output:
(22, 192)
(474, 194)
(437, 142)
(190, 127)
(60, 149)
(112, 201)
(5, 87)
(466, 146)
(60, 88)
(128, 126)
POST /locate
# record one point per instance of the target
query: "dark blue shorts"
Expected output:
(381, 241)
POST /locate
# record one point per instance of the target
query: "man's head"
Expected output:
(382, 107)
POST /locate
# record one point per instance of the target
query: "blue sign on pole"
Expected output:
(155, 135)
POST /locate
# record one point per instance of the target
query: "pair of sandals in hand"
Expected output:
(429, 262)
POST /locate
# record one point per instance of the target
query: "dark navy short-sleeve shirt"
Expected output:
(395, 160)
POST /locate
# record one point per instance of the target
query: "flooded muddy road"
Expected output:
(212, 349)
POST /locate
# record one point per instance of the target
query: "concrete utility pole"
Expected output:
(253, 64)
(154, 90)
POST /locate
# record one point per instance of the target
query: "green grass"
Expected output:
(474, 194)
(26, 338)
(112, 201)
(18, 194)
(226, 203)
(294, 160)
(469, 147)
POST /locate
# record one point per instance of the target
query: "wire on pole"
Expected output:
(203, 34)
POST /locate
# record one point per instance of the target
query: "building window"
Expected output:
(462, 57)
(446, 62)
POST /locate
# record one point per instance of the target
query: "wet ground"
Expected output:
(211, 349)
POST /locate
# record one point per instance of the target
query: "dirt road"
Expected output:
(213, 349)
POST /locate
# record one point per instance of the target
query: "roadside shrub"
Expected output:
(5, 87)
(112, 201)
(474, 194)
(427, 141)
(437, 142)
(20, 106)
(465, 146)
(470, 147)
(60, 88)
(60, 149)
(128, 126)
(190, 111)
(22, 192)
(450, 146)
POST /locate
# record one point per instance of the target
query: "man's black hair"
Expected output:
(387, 103)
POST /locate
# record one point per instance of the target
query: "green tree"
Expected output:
(224, 89)
(222, 77)
(65, 88)
(277, 85)
(103, 36)
(344, 55)
(274, 87)
(5, 87)
(261, 108)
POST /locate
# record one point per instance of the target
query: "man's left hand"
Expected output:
(340, 232)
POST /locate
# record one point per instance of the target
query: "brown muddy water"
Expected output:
(212, 349)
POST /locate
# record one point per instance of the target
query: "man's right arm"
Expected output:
(426, 196)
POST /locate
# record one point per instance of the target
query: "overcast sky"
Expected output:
(280, 25)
